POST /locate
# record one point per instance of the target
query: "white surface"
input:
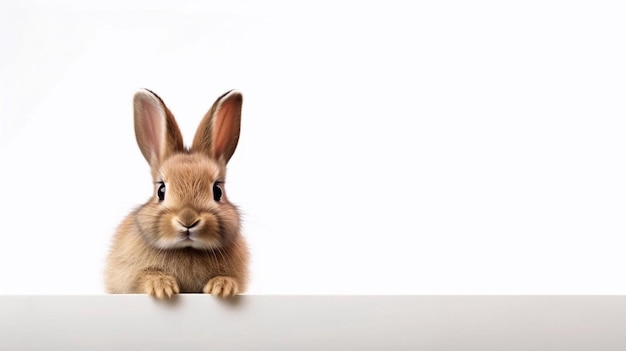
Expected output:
(481, 323)
(387, 147)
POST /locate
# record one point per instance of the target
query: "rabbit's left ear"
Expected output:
(218, 132)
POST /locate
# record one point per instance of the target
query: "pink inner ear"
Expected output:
(227, 132)
(152, 125)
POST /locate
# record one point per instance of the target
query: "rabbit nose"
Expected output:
(189, 226)
(188, 218)
(193, 224)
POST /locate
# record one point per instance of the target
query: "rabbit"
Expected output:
(186, 238)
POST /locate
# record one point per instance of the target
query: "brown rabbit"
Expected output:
(186, 238)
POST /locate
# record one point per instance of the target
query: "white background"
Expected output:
(391, 147)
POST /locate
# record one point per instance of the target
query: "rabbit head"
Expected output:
(189, 207)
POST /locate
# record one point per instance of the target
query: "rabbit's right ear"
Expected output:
(158, 135)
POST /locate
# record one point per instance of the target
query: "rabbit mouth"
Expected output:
(189, 241)
(197, 233)
(186, 232)
(187, 235)
(195, 238)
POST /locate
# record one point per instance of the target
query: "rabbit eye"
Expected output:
(161, 192)
(217, 192)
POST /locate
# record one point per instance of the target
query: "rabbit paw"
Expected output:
(160, 286)
(221, 286)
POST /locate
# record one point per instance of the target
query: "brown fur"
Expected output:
(150, 252)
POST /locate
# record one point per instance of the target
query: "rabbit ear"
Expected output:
(218, 132)
(156, 130)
